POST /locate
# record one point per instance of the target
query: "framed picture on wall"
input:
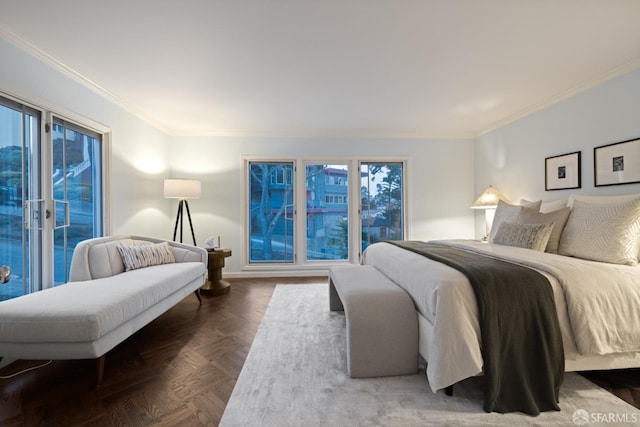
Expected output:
(562, 172)
(617, 163)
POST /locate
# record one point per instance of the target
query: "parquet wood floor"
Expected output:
(177, 371)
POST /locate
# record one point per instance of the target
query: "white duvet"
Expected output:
(598, 304)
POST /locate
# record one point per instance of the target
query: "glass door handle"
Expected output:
(33, 218)
(61, 214)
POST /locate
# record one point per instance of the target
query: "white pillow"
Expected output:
(557, 218)
(603, 232)
(600, 200)
(556, 205)
(529, 203)
(547, 206)
(529, 236)
(146, 255)
(510, 213)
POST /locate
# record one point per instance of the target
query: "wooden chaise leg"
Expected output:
(100, 368)
(197, 292)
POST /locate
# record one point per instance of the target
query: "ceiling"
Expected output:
(430, 68)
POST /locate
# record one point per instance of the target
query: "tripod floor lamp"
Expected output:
(182, 189)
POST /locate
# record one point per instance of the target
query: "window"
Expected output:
(327, 223)
(335, 198)
(271, 195)
(382, 202)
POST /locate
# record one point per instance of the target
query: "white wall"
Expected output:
(445, 175)
(440, 180)
(138, 150)
(512, 158)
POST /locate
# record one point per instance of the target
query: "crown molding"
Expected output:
(58, 65)
(320, 134)
(109, 96)
(602, 78)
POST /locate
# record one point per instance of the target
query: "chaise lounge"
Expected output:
(116, 287)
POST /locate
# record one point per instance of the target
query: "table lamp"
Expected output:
(488, 201)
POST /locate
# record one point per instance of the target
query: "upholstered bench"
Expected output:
(382, 324)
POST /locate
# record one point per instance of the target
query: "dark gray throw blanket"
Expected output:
(521, 340)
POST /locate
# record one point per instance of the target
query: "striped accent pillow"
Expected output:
(529, 236)
(146, 255)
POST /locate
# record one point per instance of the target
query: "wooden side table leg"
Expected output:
(215, 285)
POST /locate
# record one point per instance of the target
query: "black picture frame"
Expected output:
(563, 172)
(617, 163)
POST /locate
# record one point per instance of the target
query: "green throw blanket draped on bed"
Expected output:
(521, 340)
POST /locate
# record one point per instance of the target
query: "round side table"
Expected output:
(215, 285)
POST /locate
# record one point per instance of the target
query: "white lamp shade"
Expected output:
(489, 199)
(182, 188)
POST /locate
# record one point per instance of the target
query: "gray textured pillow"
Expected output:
(139, 256)
(529, 236)
(557, 218)
(603, 232)
(511, 213)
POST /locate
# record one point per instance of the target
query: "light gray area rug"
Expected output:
(295, 375)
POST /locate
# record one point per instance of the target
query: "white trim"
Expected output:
(47, 263)
(96, 88)
(271, 274)
(300, 264)
(58, 111)
(287, 133)
(78, 77)
(47, 110)
(598, 80)
(107, 197)
(246, 217)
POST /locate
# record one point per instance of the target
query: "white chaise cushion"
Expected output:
(86, 311)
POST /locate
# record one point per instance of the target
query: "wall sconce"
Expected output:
(488, 201)
(182, 189)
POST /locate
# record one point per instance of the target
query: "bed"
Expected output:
(597, 301)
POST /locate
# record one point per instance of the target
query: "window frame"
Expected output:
(300, 262)
(48, 111)
(246, 215)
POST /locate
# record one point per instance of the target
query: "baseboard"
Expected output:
(274, 273)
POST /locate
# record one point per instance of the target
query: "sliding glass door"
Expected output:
(77, 197)
(50, 196)
(20, 222)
